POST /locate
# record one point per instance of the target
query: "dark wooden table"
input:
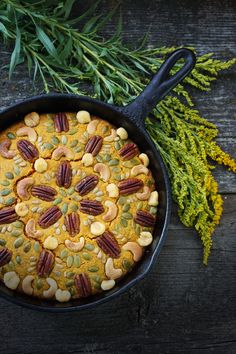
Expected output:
(182, 306)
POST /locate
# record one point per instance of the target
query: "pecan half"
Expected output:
(144, 218)
(86, 184)
(44, 192)
(83, 285)
(128, 151)
(61, 123)
(108, 244)
(72, 223)
(91, 207)
(8, 215)
(94, 145)
(27, 150)
(5, 256)
(64, 174)
(45, 263)
(49, 217)
(130, 185)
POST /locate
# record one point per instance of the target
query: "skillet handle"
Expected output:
(161, 84)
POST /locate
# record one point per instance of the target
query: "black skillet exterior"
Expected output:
(132, 119)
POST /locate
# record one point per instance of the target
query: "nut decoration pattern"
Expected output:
(78, 205)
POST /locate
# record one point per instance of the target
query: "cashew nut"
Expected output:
(11, 280)
(30, 229)
(92, 126)
(52, 288)
(111, 272)
(83, 117)
(62, 295)
(103, 170)
(97, 228)
(87, 159)
(144, 158)
(32, 119)
(122, 133)
(137, 170)
(112, 211)
(153, 200)
(23, 187)
(75, 246)
(112, 190)
(145, 238)
(51, 243)
(108, 284)
(135, 249)
(27, 284)
(30, 132)
(145, 194)
(62, 151)
(4, 149)
(111, 137)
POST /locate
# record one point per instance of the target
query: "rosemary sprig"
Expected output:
(63, 57)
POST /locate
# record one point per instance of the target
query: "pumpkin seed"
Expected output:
(123, 222)
(150, 183)
(50, 130)
(18, 242)
(64, 208)
(116, 169)
(97, 286)
(70, 275)
(117, 145)
(77, 261)
(93, 269)
(70, 190)
(105, 129)
(74, 143)
(5, 192)
(113, 162)
(62, 192)
(69, 261)
(122, 200)
(63, 254)
(99, 158)
(9, 175)
(64, 140)
(27, 247)
(74, 207)
(2, 242)
(86, 256)
(39, 284)
(107, 157)
(72, 291)
(37, 246)
(18, 259)
(57, 201)
(10, 201)
(78, 149)
(11, 265)
(117, 177)
(126, 207)
(69, 283)
(16, 170)
(48, 124)
(126, 264)
(55, 140)
(5, 183)
(96, 278)
(127, 216)
(17, 224)
(11, 135)
(89, 247)
(73, 131)
(16, 233)
(153, 210)
(48, 146)
(139, 205)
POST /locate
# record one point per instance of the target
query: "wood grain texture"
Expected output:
(182, 306)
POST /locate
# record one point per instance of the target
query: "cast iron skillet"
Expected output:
(131, 117)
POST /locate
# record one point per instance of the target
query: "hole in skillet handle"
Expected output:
(161, 84)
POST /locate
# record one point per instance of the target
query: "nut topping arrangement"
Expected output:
(78, 205)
